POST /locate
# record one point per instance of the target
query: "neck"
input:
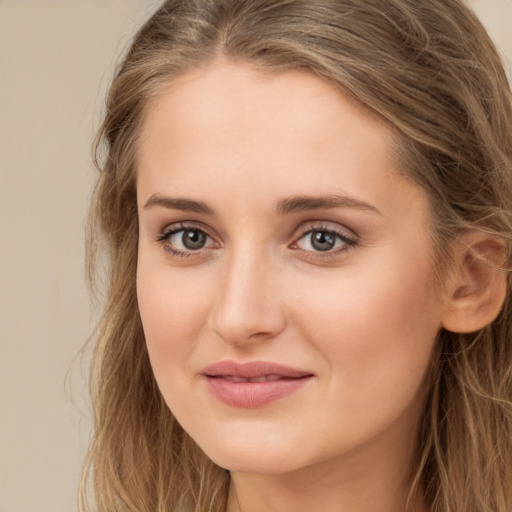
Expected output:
(282, 495)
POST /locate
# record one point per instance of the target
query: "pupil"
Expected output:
(322, 241)
(193, 239)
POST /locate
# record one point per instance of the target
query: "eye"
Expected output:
(182, 240)
(323, 240)
(191, 239)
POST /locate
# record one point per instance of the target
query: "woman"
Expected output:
(308, 212)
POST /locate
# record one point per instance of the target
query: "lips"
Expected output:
(263, 378)
(253, 384)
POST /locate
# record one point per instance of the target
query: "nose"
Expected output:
(248, 305)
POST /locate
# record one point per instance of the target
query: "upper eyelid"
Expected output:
(322, 225)
(175, 227)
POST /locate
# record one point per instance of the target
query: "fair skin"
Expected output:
(338, 285)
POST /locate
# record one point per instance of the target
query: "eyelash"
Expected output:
(347, 241)
(173, 229)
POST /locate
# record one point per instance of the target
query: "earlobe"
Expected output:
(477, 284)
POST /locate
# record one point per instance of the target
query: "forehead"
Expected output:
(255, 131)
(225, 94)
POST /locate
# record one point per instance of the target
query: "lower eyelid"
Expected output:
(332, 255)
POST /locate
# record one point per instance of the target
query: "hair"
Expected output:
(431, 71)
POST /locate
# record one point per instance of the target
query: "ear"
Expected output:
(476, 287)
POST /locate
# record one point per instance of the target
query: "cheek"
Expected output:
(376, 329)
(173, 313)
(377, 302)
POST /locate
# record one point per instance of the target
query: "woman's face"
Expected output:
(284, 271)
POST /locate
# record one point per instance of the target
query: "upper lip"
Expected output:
(253, 369)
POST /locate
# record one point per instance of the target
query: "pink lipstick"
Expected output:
(253, 384)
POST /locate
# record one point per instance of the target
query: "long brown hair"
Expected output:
(430, 70)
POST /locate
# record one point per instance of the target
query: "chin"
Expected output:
(252, 453)
(262, 463)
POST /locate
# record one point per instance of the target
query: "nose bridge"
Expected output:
(246, 303)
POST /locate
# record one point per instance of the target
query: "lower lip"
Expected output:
(250, 395)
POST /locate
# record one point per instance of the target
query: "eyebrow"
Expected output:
(283, 206)
(305, 203)
(186, 205)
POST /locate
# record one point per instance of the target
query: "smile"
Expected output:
(254, 384)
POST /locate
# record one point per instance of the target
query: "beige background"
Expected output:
(56, 57)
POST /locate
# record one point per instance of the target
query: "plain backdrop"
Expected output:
(56, 59)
